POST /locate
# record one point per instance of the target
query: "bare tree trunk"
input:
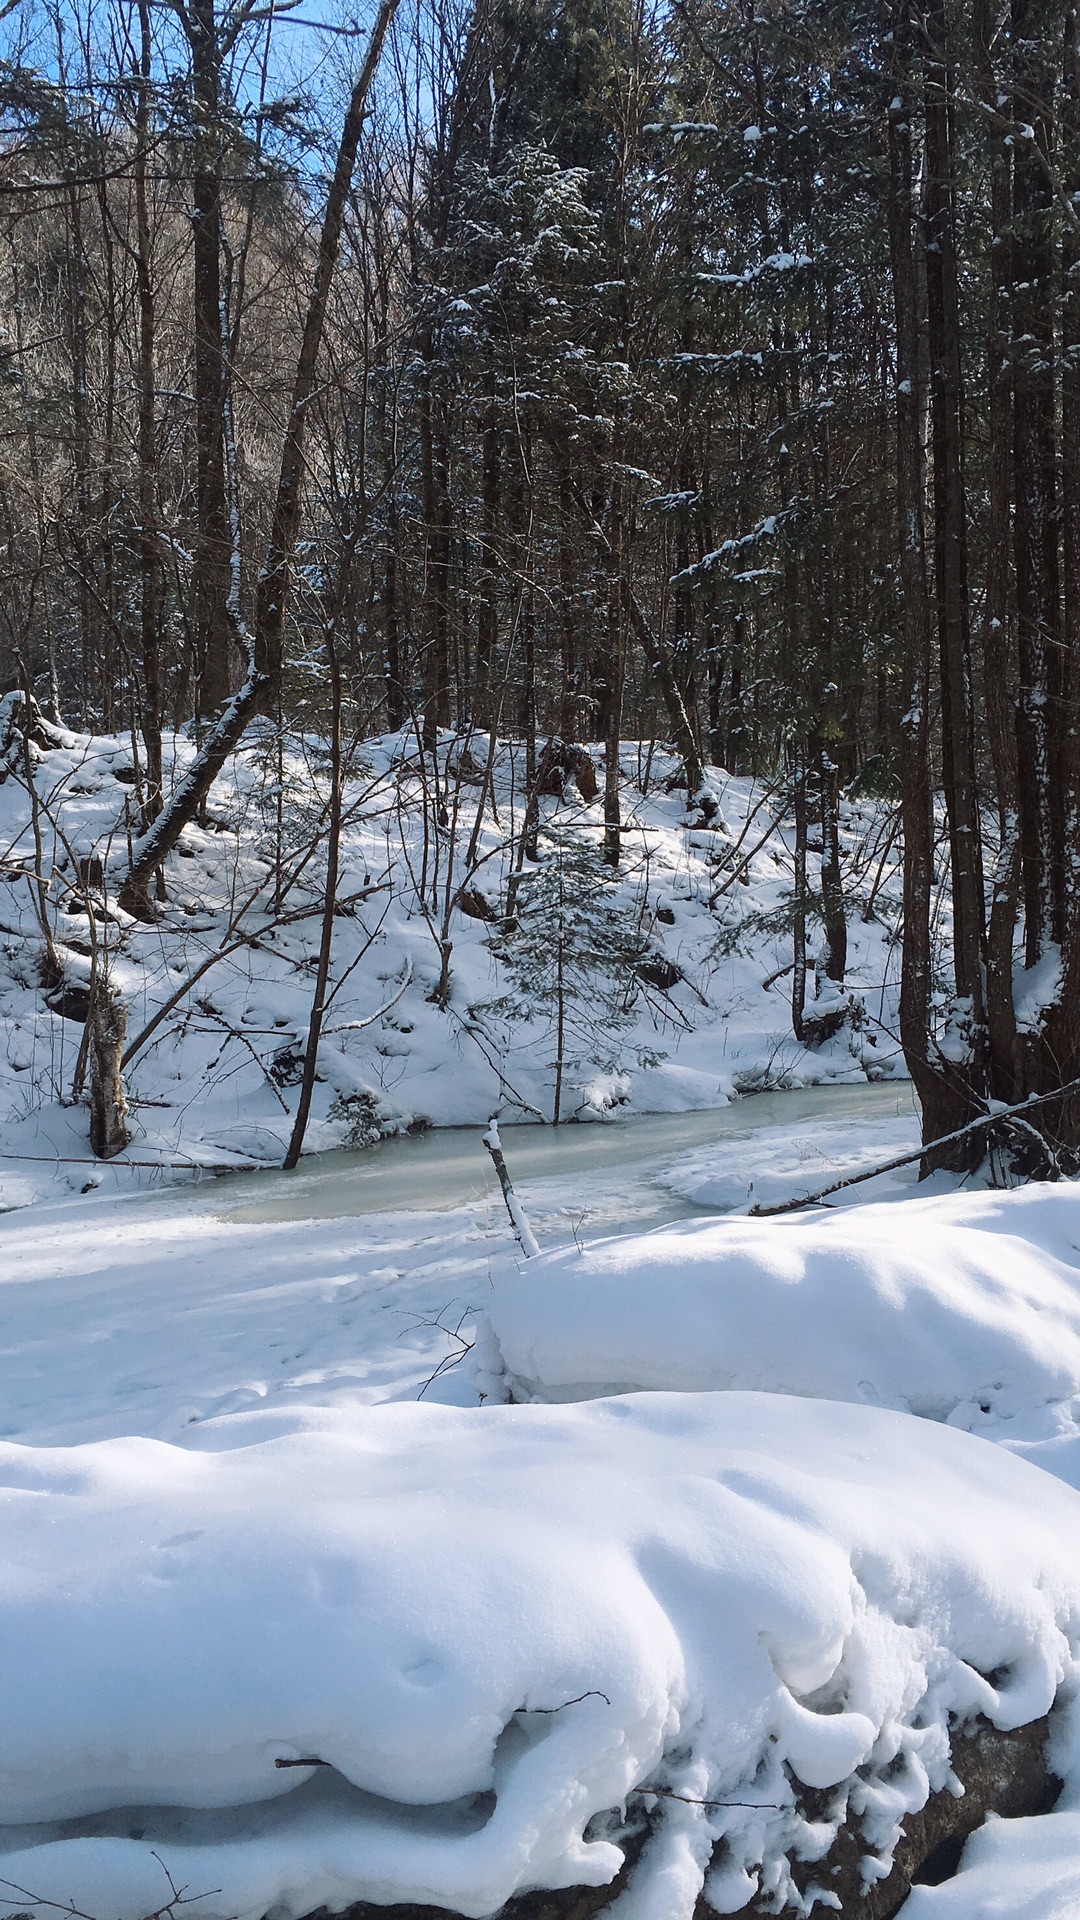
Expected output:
(915, 977)
(1035, 521)
(326, 940)
(998, 662)
(798, 926)
(832, 885)
(107, 1021)
(950, 545)
(210, 571)
(260, 690)
(1062, 1037)
(615, 670)
(149, 555)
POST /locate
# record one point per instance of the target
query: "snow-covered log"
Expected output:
(753, 1619)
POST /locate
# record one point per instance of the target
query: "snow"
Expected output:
(958, 1307)
(718, 1595)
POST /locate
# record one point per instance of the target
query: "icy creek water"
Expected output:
(449, 1167)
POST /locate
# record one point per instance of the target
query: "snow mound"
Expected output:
(1011, 1870)
(960, 1308)
(494, 1626)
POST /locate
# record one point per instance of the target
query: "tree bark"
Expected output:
(938, 1108)
(950, 543)
(210, 570)
(107, 1018)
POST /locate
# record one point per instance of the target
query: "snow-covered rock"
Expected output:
(495, 1626)
(1011, 1870)
(958, 1307)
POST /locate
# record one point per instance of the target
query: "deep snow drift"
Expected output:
(961, 1307)
(719, 1595)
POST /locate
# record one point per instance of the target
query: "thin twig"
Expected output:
(689, 1800)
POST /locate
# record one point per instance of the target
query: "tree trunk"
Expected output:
(210, 570)
(326, 940)
(798, 924)
(934, 1092)
(260, 690)
(150, 596)
(107, 1020)
(1035, 521)
(832, 886)
(950, 548)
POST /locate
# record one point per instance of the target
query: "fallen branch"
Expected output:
(357, 1026)
(999, 1114)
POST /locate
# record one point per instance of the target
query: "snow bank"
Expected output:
(959, 1308)
(495, 1625)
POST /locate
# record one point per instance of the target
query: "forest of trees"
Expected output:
(708, 374)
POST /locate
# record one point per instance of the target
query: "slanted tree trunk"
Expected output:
(260, 689)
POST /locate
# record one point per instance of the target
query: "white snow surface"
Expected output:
(495, 1625)
(961, 1307)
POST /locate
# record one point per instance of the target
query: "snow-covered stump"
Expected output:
(433, 1656)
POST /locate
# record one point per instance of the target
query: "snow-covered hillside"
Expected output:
(674, 979)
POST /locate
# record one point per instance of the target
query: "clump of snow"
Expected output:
(496, 1627)
(957, 1307)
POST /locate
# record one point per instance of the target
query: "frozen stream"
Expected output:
(347, 1281)
(449, 1167)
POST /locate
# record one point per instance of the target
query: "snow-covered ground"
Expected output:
(231, 1536)
(209, 1321)
(215, 1084)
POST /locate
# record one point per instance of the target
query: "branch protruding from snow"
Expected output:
(523, 1233)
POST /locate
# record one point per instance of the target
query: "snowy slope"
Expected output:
(722, 1596)
(215, 1084)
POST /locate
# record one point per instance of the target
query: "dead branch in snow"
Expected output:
(523, 1233)
(998, 1116)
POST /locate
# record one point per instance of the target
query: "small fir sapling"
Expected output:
(571, 958)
